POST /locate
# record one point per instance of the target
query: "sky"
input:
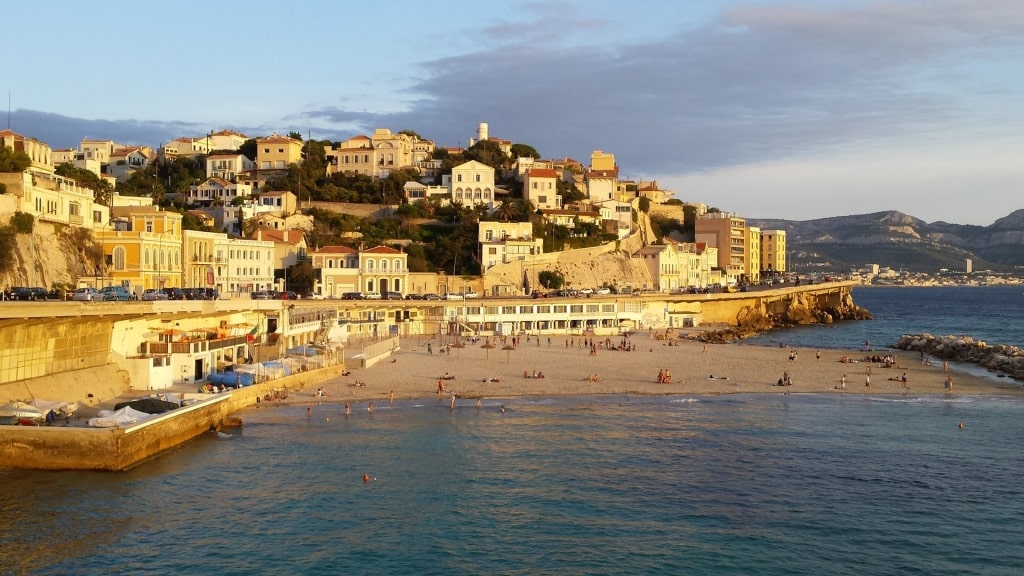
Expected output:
(767, 109)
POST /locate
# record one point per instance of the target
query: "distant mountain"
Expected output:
(897, 240)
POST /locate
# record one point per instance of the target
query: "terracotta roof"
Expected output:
(228, 133)
(335, 250)
(382, 250)
(603, 173)
(542, 173)
(236, 155)
(218, 181)
(278, 235)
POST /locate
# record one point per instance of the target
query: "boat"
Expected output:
(20, 411)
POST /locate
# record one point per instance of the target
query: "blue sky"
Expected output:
(769, 109)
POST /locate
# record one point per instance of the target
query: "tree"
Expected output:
(301, 277)
(645, 204)
(487, 152)
(249, 149)
(12, 160)
(551, 279)
(412, 133)
(524, 151)
(295, 136)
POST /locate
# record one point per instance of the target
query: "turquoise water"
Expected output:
(744, 484)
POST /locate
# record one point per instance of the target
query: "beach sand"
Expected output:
(413, 373)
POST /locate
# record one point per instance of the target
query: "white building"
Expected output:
(472, 184)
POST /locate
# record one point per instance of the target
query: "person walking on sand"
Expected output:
(391, 397)
(949, 382)
(430, 350)
(867, 382)
(842, 382)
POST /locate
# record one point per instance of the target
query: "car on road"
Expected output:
(352, 296)
(86, 295)
(431, 297)
(603, 291)
(173, 293)
(151, 294)
(392, 296)
(454, 296)
(119, 293)
(288, 295)
(22, 293)
(371, 296)
(471, 294)
(414, 296)
(263, 295)
(586, 291)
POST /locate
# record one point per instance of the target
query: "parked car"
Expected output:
(414, 296)
(288, 295)
(431, 297)
(262, 295)
(586, 291)
(352, 296)
(391, 296)
(173, 293)
(194, 293)
(371, 296)
(604, 291)
(22, 293)
(453, 296)
(119, 293)
(39, 293)
(86, 295)
(151, 294)
(471, 294)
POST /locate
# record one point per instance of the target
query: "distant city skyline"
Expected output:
(775, 109)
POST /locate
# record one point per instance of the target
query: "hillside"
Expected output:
(898, 240)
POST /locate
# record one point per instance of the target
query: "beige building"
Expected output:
(217, 190)
(600, 180)
(234, 267)
(379, 154)
(125, 161)
(289, 246)
(383, 269)
(540, 189)
(227, 166)
(186, 148)
(503, 242)
(339, 270)
(42, 193)
(472, 184)
(226, 140)
(728, 233)
(353, 156)
(773, 252)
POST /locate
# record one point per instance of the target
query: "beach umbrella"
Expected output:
(458, 346)
(508, 348)
(488, 346)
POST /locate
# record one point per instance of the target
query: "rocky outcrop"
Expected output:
(1000, 358)
(805, 308)
(52, 254)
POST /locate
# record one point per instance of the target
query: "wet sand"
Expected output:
(715, 369)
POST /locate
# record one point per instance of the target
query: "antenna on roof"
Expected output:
(8, 108)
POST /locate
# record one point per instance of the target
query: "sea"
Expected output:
(737, 484)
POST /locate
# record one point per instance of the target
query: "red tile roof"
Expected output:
(382, 250)
(335, 250)
(542, 173)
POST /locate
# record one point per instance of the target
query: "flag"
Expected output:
(252, 334)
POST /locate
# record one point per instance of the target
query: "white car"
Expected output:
(371, 296)
(453, 296)
(471, 294)
(604, 291)
(587, 291)
(150, 294)
(86, 295)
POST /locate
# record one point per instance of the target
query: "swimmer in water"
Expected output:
(961, 424)
(369, 407)
(366, 477)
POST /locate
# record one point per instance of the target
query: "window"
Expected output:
(477, 177)
(398, 267)
(119, 258)
(458, 178)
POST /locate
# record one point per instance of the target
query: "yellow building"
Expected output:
(753, 262)
(773, 251)
(142, 249)
(277, 152)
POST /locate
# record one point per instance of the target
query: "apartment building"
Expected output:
(728, 233)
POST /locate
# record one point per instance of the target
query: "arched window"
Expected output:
(147, 258)
(398, 266)
(369, 265)
(119, 258)
(330, 263)
(383, 265)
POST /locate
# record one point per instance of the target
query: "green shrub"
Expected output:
(22, 222)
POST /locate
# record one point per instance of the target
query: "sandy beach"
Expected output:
(413, 372)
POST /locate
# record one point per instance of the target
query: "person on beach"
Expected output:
(430, 350)
(309, 411)
(369, 407)
(391, 397)
(903, 381)
(842, 382)
(949, 382)
(867, 382)
(817, 354)
(348, 408)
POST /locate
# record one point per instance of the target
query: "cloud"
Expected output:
(758, 83)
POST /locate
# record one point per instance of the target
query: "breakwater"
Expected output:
(1002, 358)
